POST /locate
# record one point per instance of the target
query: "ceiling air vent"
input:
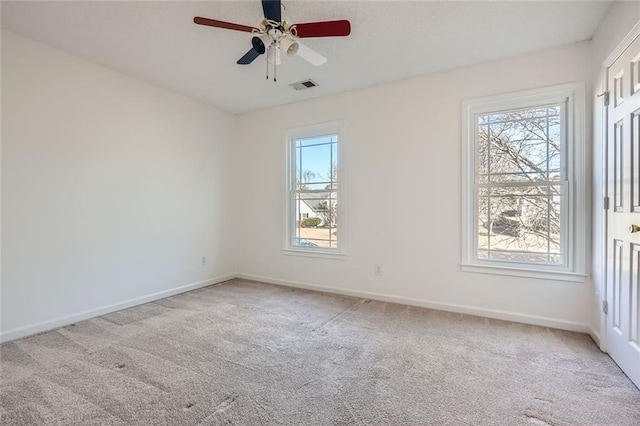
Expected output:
(304, 84)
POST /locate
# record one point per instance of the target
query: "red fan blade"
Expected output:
(221, 24)
(322, 29)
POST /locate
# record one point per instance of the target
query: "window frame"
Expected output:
(293, 134)
(573, 94)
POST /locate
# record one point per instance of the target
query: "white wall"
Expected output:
(622, 17)
(112, 189)
(402, 156)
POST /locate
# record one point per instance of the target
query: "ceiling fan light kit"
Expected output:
(276, 35)
(273, 55)
(291, 47)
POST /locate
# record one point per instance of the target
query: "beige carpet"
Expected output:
(255, 354)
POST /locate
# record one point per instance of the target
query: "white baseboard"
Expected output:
(18, 333)
(449, 307)
(29, 330)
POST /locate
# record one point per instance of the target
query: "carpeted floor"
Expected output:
(255, 354)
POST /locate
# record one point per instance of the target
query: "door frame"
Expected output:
(603, 137)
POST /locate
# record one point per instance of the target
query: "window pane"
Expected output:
(316, 140)
(483, 151)
(315, 164)
(521, 224)
(326, 237)
(315, 196)
(520, 146)
(555, 141)
(483, 221)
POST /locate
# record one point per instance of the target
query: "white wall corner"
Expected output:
(596, 337)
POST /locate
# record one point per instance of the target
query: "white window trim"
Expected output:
(574, 94)
(334, 127)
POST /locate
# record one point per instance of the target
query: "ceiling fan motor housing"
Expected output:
(276, 33)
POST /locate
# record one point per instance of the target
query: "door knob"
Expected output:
(634, 228)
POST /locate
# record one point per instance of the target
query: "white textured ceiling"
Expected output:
(158, 42)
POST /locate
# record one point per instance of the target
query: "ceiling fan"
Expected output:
(275, 35)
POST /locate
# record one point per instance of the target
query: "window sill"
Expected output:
(321, 254)
(526, 273)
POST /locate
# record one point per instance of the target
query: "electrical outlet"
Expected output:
(203, 260)
(377, 270)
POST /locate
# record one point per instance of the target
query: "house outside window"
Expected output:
(314, 196)
(524, 184)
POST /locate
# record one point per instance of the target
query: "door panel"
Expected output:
(634, 317)
(618, 167)
(635, 162)
(635, 74)
(618, 256)
(623, 275)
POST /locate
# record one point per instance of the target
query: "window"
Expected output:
(523, 184)
(314, 191)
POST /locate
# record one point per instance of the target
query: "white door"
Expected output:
(623, 275)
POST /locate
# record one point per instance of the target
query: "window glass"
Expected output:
(314, 192)
(521, 186)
